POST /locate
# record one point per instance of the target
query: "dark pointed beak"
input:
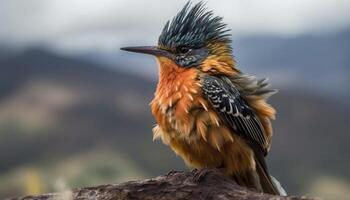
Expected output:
(152, 50)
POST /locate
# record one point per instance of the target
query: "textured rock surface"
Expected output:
(197, 184)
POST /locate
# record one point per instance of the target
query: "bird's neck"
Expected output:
(216, 65)
(220, 61)
(172, 76)
(176, 92)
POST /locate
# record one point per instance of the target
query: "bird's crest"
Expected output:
(194, 27)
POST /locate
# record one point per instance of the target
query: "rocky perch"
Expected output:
(197, 185)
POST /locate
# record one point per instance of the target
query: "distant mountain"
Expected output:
(52, 107)
(319, 63)
(304, 53)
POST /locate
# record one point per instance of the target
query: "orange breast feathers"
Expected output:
(178, 92)
(189, 124)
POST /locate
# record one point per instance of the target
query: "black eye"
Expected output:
(183, 50)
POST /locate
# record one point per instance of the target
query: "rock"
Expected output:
(197, 184)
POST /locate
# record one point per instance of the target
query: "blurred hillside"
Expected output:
(67, 121)
(54, 109)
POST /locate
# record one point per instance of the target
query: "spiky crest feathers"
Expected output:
(194, 27)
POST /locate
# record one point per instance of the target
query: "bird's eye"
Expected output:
(184, 50)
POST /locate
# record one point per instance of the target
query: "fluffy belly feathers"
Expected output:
(190, 126)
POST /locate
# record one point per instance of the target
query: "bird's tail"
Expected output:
(260, 180)
(278, 185)
(266, 183)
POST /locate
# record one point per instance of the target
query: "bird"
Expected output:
(206, 109)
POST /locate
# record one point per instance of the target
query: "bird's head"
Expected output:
(194, 38)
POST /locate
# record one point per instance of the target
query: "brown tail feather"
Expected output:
(261, 169)
(264, 177)
(248, 179)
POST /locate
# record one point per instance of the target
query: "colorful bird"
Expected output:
(208, 111)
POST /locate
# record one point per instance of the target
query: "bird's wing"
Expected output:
(233, 109)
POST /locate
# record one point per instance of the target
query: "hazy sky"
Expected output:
(104, 24)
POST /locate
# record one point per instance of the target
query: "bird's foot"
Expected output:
(199, 175)
(171, 173)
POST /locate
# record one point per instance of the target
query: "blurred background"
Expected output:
(74, 108)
